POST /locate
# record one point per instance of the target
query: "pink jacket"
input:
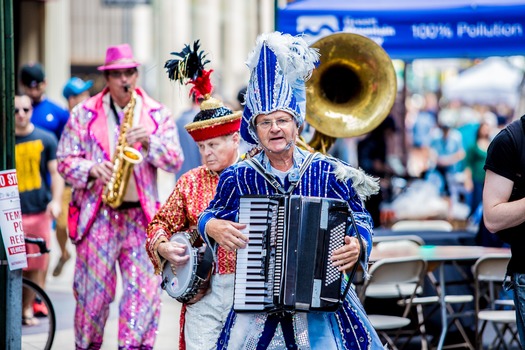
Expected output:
(85, 141)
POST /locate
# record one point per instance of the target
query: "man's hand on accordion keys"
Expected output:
(345, 257)
(227, 234)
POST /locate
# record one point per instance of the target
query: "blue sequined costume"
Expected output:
(348, 328)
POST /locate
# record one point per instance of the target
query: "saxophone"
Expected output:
(124, 158)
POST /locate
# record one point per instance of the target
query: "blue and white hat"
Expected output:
(279, 65)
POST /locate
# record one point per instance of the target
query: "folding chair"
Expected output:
(422, 225)
(396, 278)
(408, 243)
(412, 238)
(489, 272)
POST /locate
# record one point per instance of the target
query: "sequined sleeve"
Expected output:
(72, 152)
(225, 205)
(171, 218)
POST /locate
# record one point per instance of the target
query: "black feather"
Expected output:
(189, 64)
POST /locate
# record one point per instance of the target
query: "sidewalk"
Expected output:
(60, 291)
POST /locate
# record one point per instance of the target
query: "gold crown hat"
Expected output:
(214, 119)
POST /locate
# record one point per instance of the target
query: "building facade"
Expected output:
(69, 37)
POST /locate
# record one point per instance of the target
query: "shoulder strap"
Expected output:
(254, 163)
(302, 170)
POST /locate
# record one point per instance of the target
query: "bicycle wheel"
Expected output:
(38, 334)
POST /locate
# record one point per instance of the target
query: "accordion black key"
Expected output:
(286, 264)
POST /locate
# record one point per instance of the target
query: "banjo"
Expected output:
(190, 281)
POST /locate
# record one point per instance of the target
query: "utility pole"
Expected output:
(10, 281)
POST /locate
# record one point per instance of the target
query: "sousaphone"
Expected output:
(351, 91)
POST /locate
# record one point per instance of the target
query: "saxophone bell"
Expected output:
(132, 155)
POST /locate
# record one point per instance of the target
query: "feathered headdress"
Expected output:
(279, 65)
(214, 119)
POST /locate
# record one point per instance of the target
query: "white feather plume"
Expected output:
(364, 184)
(296, 58)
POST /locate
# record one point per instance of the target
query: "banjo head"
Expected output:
(176, 285)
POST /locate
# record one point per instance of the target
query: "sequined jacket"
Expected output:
(192, 194)
(85, 142)
(324, 177)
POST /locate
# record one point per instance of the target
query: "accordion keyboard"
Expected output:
(286, 264)
(253, 288)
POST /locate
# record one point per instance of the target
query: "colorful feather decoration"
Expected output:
(188, 68)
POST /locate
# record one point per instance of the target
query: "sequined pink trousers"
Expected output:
(116, 237)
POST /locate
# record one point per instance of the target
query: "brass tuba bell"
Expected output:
(351, 91)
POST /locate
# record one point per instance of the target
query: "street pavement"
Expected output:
(60, 291)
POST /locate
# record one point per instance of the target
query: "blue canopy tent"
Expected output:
(412, 29)
(415, 29)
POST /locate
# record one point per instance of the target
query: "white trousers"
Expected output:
(204, 320)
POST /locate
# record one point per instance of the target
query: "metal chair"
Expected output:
(408, 243)
(412, 238)
(395, 278)
(489, 272)
(422, 225)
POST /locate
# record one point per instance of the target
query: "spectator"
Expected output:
(372, 158)
(46, 113)
(75, 91)
(474, 163)
(446, 154)
(35, 155)
(504, 205)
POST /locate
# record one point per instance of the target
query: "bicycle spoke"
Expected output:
(38, 329)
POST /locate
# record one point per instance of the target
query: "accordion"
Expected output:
(286, 264)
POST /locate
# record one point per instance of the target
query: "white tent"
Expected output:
(492, 81)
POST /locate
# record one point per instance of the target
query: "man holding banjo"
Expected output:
(172, 233)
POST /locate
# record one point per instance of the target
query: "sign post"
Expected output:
(11, 221)
(10, 281)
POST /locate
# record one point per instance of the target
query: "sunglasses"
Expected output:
(128, 73)
(26, 110)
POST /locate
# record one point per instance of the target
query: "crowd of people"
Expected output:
(72, 163)
(445, 145)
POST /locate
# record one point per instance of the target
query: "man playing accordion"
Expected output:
(271, 119)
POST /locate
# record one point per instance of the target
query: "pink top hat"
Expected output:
(119, 57)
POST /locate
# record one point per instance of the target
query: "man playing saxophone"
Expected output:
(114, 199)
